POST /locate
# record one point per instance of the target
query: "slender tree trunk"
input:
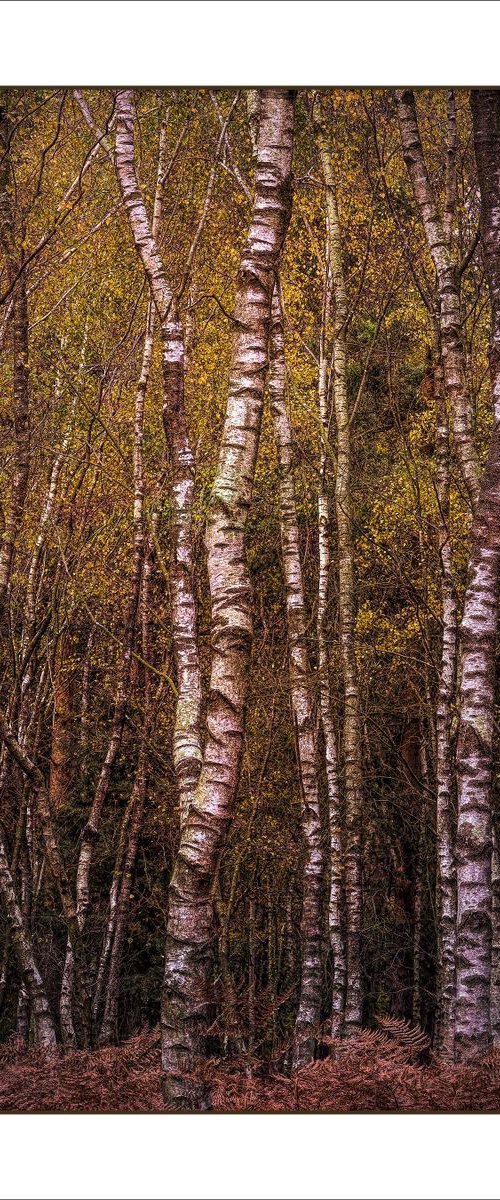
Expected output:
(272, 965)
(302, 698)
(108, 1030)
(251, 980)
(121, 890)
(187, 744)
(85, 693)
(232, 1039)
(478, 637)
(347, 600)
(451, 190)
(336, 903)
(91, 830)
(21, 384)
(101, 977)
(190, 931)
(24, 1014)
(438, 237)
(60, 750)
(59, 875)
(422, 771)
(45, 1034)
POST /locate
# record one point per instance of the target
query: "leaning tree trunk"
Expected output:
(478, 634)
(347, 600)
(302, 697)
(438, 237)
(90, 833)
(190, 930)
(187, 743)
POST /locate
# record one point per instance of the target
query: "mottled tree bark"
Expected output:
(347, 601)
(336, 901)
(478, 637)
(186, 996)
(91, 831)
(187, 745)
(495, 941)
(438, 237)
(45, 1034)
(445, 810)
(302, 698)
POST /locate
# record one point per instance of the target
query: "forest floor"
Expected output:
(368, 1074)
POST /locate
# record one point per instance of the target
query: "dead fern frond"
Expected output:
(410, 1038)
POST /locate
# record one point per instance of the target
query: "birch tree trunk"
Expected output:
(445, 812)
(187, 744)
(45, 1034)
(336, 903)
(91, 830)
(309, 1011)
(438, 237)
(347, 600)
(59, 873)
(495, 945)
(478, 636)
(190, 930)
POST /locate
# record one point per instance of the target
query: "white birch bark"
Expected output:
(91, 830)
(438, 237)
(45, 1034)
(446, 871)
(190, 931)
(336, 900)
(478, 639)
(347, 599)
(187, 745)
(495, 941)
(302, 698)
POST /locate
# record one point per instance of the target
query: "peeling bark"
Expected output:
(190, 931)
(495, 942)
(347, 599)
(438, 237)
(91, 831)
(45, 1034)
(445, 811)
(478, 638)
(336, 901)
(302, 698)
(187, 744)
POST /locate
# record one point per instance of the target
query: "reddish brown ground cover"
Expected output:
(370, 1073)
